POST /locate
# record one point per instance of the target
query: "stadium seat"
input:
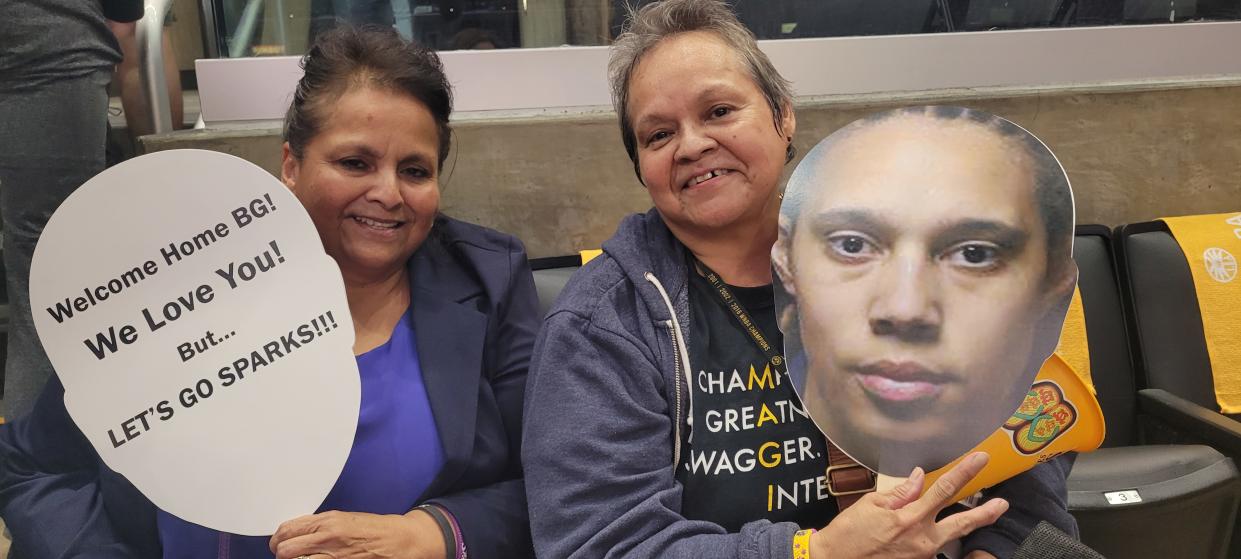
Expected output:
(550, 276)
(1168, 344)
(841, 18)
(1011, 14)
(1159, 11)
(1133, 499)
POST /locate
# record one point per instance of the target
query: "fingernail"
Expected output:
(916, 474)
(978, 459)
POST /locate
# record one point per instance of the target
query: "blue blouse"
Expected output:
(396, 454)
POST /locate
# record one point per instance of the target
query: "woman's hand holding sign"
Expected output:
(343, 535)
(899, 523)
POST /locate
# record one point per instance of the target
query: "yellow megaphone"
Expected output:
(1058, 415)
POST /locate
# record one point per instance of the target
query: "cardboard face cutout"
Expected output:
(202, 336)
(924, 267)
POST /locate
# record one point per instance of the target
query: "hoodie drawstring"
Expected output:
(681, 365)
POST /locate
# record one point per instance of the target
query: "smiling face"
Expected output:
(369, 180)
(919, 265)
(708, 148)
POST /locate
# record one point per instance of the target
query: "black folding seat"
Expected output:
(1132, 498)
(1010, 14)
(1159, 11)
(1169, 347)
(842, 18)
(550, 276)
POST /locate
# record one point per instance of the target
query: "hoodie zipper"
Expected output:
(680, 359)
(676, 368)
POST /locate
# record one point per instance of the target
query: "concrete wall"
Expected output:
(1133, 152)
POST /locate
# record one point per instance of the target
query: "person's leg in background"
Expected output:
(52, 142)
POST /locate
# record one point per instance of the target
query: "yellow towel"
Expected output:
(1212, 244)
(1074, 348)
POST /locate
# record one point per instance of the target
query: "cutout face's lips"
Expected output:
(899, 391)
(901, 381)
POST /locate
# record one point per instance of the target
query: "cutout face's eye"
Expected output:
(975, 255)
(721, 111)
(851, 246)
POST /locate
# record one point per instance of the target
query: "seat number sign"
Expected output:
(1122, 497)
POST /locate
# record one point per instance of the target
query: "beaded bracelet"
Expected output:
(801, 544)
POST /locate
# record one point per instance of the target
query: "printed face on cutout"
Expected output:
(370, 179)
(708, 149)
(919, 268)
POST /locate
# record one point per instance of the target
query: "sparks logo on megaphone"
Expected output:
(924, 267)
(1044, 415)
(202, 336)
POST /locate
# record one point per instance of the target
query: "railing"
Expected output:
(259, 89)
(150, 37)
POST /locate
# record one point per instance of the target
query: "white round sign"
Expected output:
(202, 336)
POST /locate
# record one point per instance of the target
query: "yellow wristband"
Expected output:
(801, 544)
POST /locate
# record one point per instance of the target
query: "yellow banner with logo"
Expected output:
(1212, 244)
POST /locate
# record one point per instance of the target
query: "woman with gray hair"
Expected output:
(658, 419)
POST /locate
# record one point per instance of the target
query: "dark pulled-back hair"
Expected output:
(349, 57)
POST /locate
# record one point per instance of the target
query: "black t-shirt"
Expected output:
(753, 452)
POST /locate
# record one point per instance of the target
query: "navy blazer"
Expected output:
(475, 314)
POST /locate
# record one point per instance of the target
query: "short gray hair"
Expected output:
(645, 27)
